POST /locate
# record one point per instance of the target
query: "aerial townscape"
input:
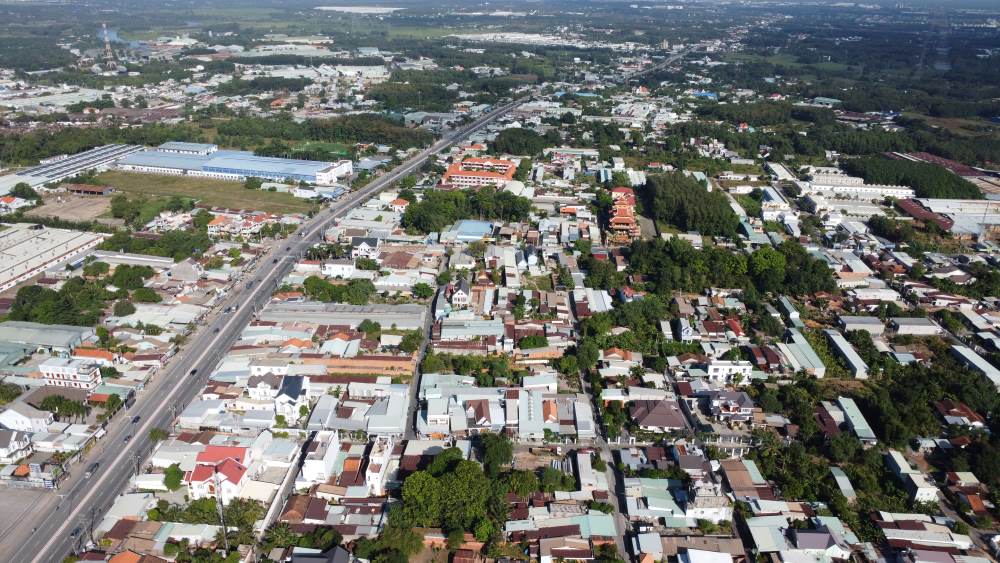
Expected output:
(685, 281)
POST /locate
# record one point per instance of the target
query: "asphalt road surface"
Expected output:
(63, 522)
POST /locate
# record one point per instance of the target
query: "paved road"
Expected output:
(662, 64)
(62, 523)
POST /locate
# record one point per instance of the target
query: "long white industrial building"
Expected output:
(27, 250)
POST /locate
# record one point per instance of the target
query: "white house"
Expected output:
(25, 418)
(365, 247)
(224, 479)
(292, 396)
(14, 446)
(727, 371)
(342, 268)
(263, 387)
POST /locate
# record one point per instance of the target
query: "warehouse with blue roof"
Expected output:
(207, 161)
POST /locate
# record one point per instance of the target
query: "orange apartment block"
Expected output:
(478, 172)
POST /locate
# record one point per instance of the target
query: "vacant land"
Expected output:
(214, 193)
(71, 207)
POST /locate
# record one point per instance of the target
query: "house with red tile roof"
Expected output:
(222, 480)
(219, 472)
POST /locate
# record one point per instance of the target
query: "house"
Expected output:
(14, 446)
(461, 294)
(658, 416)
(365, 247)
(263, 387)
(292, 396)
(725, 371)
(398, 205)
(731, 406)
(959, 414)
(25, 418)
(219, 472)
(342, 268)
(223, 480)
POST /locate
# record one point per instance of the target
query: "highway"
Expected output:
(62, 522)
(625, 78)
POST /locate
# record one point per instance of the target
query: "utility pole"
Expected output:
(219, 507)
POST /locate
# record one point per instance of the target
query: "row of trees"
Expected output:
(671, 265)
(524, 141)
(683, 201)
(355, 292)
(927, 180)
(177, 244)
(345, 129)
(257, 85)
(442, 208)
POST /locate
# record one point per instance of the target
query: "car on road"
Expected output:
(193, 372)
(127, 439)
(275, 261)
(91, 470)
(135, 419)
(215, 330)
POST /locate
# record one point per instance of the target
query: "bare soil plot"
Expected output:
(71, 207)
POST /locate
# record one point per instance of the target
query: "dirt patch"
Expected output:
(70, 207)
(532, 461)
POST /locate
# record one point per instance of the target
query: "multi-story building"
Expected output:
(65, 372)
(622, 225)
(478, 172)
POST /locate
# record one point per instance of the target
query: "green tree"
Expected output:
(522, 483)
(422, 499)
(158, 434)
(146, 295)
(24, 191)
(96, 269)
(767, 268)
(411, 341)
(173, 477)
(422, 291)
(497, 453)
(123, 308)
(9, 392)
(464, 495)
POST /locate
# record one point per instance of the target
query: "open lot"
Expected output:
(71, 207)
(215, 193)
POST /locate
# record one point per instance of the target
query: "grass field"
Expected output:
(337, 148)
(215, 193)
(788, 60)
(966, 127)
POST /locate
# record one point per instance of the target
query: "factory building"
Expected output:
(28, 250)
(207, 161)
(53, 170)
